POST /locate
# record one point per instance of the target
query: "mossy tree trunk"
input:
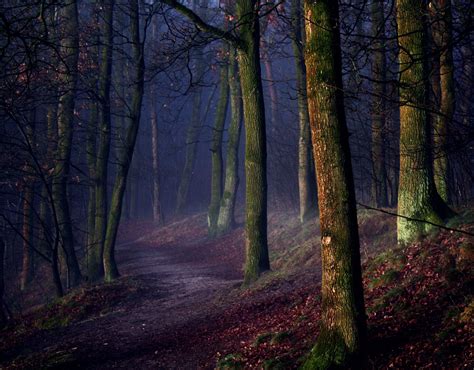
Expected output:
(379, 75)
(226, 212)
(69, 52)
(126, 154)
(216, 146)
(256, 242)
(103, 149)
(306, 174)
(341, 342)
(444, 42)
(417, 197)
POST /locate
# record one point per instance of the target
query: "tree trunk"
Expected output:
(27, 263)
(256, 243)
(69, 50)
(306, 175)
(417, 197)
(226, 213)
(379, 73)
(103, 150)
(91, 208)
(216, 148)
(157, 213)
(341, 341)
(125, 157)
(444, 42)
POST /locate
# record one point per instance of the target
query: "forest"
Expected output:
(236, 184)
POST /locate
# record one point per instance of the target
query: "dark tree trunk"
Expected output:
(125, 156)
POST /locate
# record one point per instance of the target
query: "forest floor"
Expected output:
(179, 302)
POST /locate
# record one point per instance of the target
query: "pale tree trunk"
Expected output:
(306, 175)
(69, 50)
(417, 197)
(341, 342)
(125, 156)
(216, 148)
(226, 213)
(157, 213)
(103, 148)
(379, 73)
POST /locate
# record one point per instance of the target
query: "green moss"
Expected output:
(280, 337)
(261, 338)
(330, 352)
(231, 361)
(275, 364)
(53, 323)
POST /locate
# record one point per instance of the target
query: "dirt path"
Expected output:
(179, 288)
(178, 295)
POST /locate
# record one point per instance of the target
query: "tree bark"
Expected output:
(417, 195)
(256, 242)
(69, 50)
(226, 213)
(125, 156)
(341, 341)
(216, 148)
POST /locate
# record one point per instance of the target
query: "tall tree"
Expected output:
(216, 145)
(417, 197)
(306, 175)
(379, 75)
(248, 49)
(444, 43)
(28, 199)
(157, 212)
(125, 156)
(69, 53)
(341, 342)
(106, 9)
(226, 212)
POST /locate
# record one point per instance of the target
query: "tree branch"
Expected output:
(201, 24)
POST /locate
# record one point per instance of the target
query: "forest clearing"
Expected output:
(248, 184)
